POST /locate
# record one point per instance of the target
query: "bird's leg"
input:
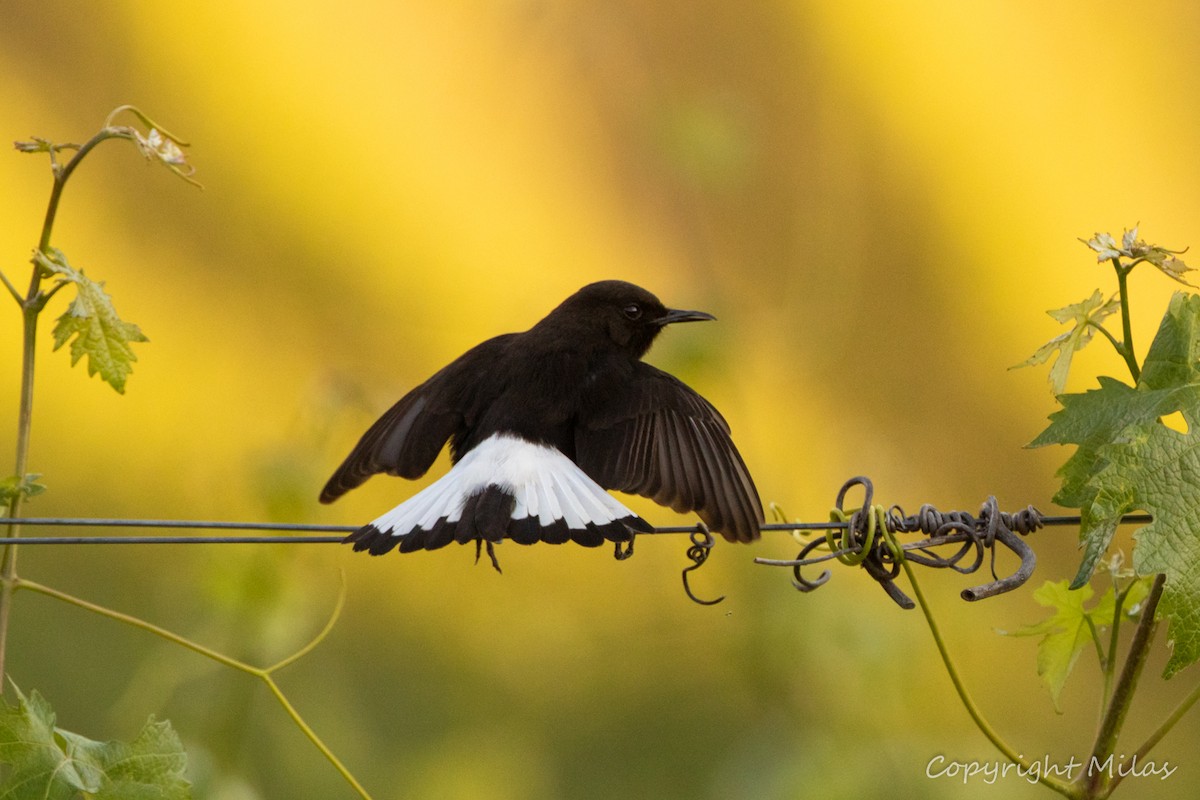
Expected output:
(619, 553)
(491, 551)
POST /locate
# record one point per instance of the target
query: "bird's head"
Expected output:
(628, 314)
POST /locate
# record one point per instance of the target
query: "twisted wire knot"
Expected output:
(866, 537)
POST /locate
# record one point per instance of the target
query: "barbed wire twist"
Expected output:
(858, 539)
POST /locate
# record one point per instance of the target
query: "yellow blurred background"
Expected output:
(877, 200)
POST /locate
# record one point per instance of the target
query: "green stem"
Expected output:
(984, 726)
(263, 674)
(1109, 664)
(1168, 723)
(8, 567)
(320, 637)
(11, 289)
(1092, 781)
(1126, 328)
(1104, 659)
(31, 306)
(1120, 348)
(60, 181)
(312, 736)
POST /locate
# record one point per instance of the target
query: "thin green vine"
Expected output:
(156, 144)
(960, 687)
(264, 674)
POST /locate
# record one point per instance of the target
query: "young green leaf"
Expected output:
(1128, 460)
(1098, 418)
(157, 144)
(1174, 268)
(1066, 632)
(25, 486)
(1174, 358)
(92, 326)
(1087, 316)
(1106, 246)
(1161, 257)
(1070, 628)
(1133, 250)
(43, 761)
(1094, 420)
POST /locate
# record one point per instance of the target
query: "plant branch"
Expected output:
(1126, 327)
(263, 674)
(8, 567)
(61, 174)
(1168, 723)
(11, 289)
(1092, 781)
(1110, 663)
(1120, 348)
(31, 307)
(312, 735)
(1095, 632)
(320, 637)
(984, 726)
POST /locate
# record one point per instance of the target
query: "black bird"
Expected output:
(541, 423)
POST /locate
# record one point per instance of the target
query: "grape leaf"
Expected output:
(1087, 315)
(1094, 420)
(1106, 246)
(1127, 459)
(1174, 357)
(1134, 250)
(1091, 420)
(17, 486)
(92, 326)
(45, 762)
(1158, 470)
(1068, 629)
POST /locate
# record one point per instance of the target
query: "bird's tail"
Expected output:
(506, 487)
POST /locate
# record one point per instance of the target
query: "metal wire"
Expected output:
(36, 540)
(971, 534)
(343, 530)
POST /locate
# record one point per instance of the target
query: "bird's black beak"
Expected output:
(679, 315)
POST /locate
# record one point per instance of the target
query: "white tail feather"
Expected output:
(545, 483)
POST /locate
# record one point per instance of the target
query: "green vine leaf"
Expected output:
(45, 762)
(1092, 421)
(1158, 470)
(20, 486)
(92, 325)
(1128, 460)
(157, 144)
(1069, 628)
(1134, 250)
(1087, 316)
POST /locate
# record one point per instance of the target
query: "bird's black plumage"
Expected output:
(539, 422)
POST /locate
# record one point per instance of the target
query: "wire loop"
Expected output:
(702, 544)
(866, 537)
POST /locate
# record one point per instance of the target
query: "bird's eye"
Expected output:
(633, 311)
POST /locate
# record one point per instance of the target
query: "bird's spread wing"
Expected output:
(650, 434)
(408, 437)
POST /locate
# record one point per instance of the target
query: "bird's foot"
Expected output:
(621, 553)
(491, 551)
